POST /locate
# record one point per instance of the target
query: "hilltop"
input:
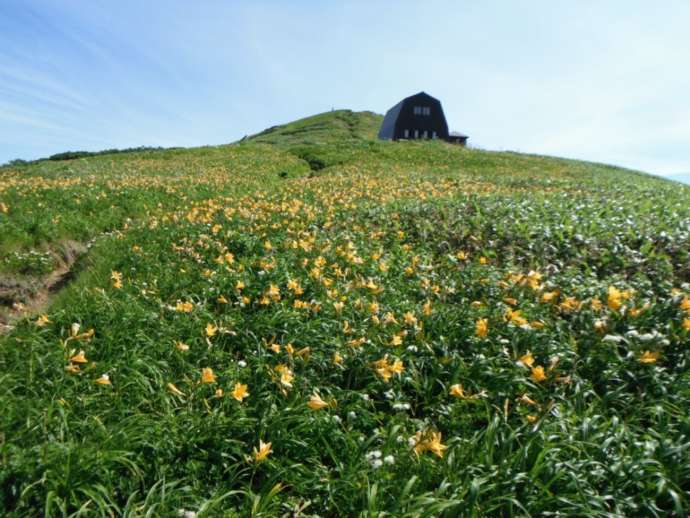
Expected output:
(324, 128)
(314, 322)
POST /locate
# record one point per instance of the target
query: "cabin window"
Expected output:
(425, 134)
(433, 134)
(406, 133)
(422, 110)
(416, 133)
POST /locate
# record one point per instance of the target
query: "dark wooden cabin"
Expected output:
(419, 116)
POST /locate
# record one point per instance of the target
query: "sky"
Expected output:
(600, 81)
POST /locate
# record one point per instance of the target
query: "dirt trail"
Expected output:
(21, 296)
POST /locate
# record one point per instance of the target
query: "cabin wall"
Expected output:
(434, 122)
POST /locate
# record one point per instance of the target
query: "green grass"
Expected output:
(377, 250)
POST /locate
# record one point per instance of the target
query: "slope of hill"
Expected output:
(313, 322)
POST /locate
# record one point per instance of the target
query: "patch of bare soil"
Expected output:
(21, 296)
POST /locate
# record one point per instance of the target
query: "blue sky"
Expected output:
(604, 81)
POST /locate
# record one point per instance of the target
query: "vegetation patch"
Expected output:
(419, 330)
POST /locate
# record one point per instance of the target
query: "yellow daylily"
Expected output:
(429, 441)
(527, 359)
(42, 321)
(264, 451)
(286, 375)
(286, 378)
(549, 296)
(116, 277)
(515, 317)
(184, 307)
(397, 367)
(482, 327)
(457, 391)
(273, 292)
(211, 330)
(386, 370)
(389, 318)
(103, 380)
(75, 335)
(240, 392)
(410, 319)
(614, 298)
(649, 356)
(538, 374)
(685, 304)
(80, 357)
(316, 403)
(207, 375)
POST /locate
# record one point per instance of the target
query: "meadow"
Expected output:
(311, 322)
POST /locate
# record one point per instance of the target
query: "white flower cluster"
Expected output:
(375, 460)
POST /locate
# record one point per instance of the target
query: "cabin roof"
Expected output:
(388, 124)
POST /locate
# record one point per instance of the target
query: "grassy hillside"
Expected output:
(312, 322)
(324, 128)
